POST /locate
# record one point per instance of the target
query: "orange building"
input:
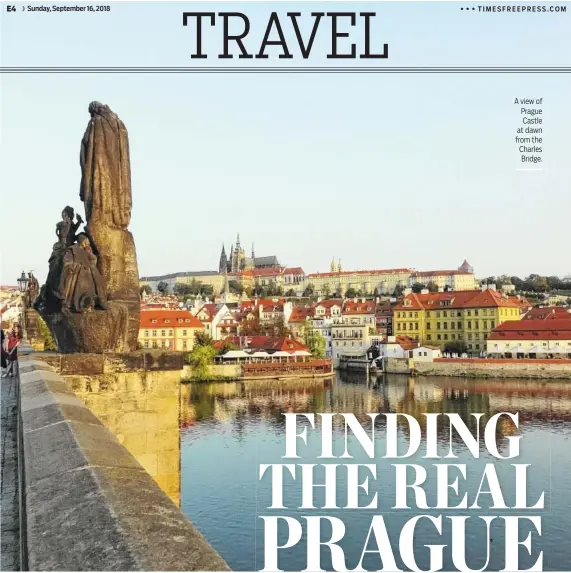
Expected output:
(168, 329)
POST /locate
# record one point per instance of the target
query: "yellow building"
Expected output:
(339, 281)
(168, 329)
(464, 316)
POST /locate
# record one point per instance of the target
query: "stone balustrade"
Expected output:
(87, 504)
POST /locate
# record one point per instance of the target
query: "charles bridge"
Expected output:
(90, 434)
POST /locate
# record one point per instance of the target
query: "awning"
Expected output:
(236, 354)
(302, 353)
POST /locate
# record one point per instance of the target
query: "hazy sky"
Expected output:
(409, 170)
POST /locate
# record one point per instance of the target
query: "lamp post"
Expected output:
(23, 282)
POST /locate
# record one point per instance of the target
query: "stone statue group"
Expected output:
(90, 300)
(74, 282)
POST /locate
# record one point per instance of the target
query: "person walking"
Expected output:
(3, 353)
(14, 339)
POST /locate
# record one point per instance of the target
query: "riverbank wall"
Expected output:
(494, 368)
(477, 368)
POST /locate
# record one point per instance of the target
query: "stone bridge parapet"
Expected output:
(86, 503)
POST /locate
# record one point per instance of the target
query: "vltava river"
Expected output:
(229, 429)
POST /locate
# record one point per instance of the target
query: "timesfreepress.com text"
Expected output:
(522, 9)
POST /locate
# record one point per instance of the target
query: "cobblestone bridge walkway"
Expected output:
(9, 516)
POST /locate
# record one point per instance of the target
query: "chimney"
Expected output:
(424, 291)
(363, 300)
(440, 289)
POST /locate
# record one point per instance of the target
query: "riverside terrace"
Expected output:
(73, 497)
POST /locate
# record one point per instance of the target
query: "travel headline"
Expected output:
(349, 34)
(409, 478)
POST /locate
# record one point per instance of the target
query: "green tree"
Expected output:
(417, 287)
(281, 329)
(182, 289)
(398, 292)
(540, 284)
(314, 340)
(200, 359)
(46, 335)
(350, 293)
(163, 287)
(432, 287)
(235, 287)
(456, 346)
(309, 290)
(202, 338)
(206, 290)
(145, 289)
(327, 290)
(290, 292)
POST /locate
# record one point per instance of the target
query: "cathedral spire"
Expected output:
(332, 267)
(253, 253)
(223, 265)
(238, 241)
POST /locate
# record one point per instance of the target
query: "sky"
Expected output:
(380, 170)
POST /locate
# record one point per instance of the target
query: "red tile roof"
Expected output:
(532, 329)
(299, 314)
(268, 343)
(547, 313)
(350, 307)
(293, 271)
(329, 302)
(456, 299)
(348, 273)
(439, 273)
(169, 318)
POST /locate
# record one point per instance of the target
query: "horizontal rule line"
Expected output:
(285, 70)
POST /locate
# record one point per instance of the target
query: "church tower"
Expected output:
(223, 265)
(332, 267)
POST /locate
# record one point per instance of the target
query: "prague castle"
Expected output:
(238, 261)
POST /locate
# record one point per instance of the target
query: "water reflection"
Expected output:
(229, 429)
(142, 410)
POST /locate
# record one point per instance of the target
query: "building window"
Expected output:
(163, 332)
(170, 332)
(154, 332)
(155, 344)
(470, 324)
(163, 344)
(146, 333)
(429, 337)
(428, 326)
(439, 337)
(445, 326)
(146, 344)
(184, 332)
(184, 344)
(437, 326)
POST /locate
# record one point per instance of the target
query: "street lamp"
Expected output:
(23, 282)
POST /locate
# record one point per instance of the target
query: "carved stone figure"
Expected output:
(32, 291)
(91, 297)
(81, 284)
(106, 191)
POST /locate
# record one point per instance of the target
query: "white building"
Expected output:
(425, 353)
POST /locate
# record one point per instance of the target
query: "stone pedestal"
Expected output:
(98, 331)
(31, 327)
